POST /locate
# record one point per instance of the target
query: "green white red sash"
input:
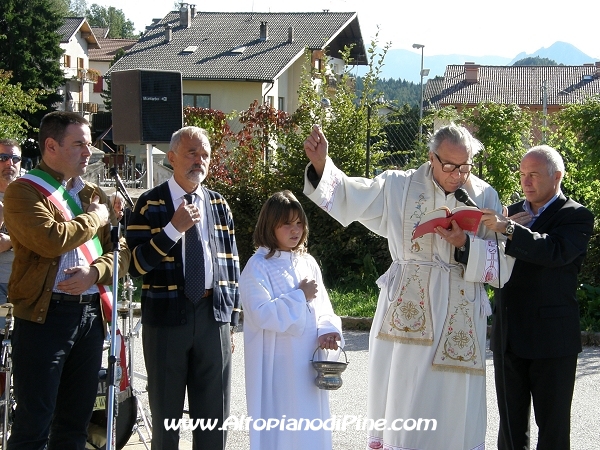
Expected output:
(60, 198)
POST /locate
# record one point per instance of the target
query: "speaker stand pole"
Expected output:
(149, 167)
(113, 360)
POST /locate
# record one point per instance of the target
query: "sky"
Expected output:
(467, 27)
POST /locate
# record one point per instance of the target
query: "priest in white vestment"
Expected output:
(428, 337)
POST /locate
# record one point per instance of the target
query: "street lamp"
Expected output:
(424, 73)
(378, 102)
(325, 105)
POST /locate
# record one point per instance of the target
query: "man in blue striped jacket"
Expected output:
(188, 304)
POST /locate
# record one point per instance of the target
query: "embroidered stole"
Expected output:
(92, 249)
(408, 318)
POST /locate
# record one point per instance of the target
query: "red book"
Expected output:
(467, 217)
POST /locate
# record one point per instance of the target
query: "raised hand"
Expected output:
(316, 148)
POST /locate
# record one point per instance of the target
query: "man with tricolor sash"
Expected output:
(60, 288)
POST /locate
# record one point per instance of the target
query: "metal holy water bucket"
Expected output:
(329, 372)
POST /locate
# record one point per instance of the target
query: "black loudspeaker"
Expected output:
(147, 106)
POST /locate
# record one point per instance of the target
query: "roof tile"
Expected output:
(522, 85)
(217, 34)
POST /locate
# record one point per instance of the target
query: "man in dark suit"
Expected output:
(536, 334)
(189, 294)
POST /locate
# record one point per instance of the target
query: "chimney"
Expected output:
(290, 35)
(264, 31)
(185, 15)
(168, 32)
(471, 72)
(193, 10)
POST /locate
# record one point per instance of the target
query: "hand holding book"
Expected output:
(467, 217)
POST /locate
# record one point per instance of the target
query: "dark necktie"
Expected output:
(194, 262)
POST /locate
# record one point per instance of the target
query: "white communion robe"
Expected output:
(281, 332)
(407, 379)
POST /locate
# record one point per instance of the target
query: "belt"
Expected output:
(208, 293)
(75, 298)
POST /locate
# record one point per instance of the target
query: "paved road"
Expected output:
(351, 398)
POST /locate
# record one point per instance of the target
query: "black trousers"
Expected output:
(550, 383)
(196, 356)
(56, 367)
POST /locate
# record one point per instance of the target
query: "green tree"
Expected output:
(62, 7)
(395, 91)
(505, 132)
(114, 19)
(77, 8)
(14, 100)
(575, 133)
(536, 61)
(30, 50)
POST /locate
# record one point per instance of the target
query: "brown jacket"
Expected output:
(40, 234)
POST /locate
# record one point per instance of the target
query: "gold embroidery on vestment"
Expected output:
(408, 317)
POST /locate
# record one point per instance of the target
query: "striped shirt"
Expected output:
(73, 258)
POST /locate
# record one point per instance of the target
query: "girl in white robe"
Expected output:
(287, 316)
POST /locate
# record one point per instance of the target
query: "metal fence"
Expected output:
(394, 141)
(397, 143)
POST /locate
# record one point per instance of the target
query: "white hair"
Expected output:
(188, 131)
(457, 135)
(554, 161)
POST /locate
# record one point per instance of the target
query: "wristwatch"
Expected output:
(510, 228)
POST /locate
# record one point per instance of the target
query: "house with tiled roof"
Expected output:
(228, 60)
(100, 32)
(541, 88)
(101, 58)
(76, 40)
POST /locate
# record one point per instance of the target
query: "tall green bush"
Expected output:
(505, 131)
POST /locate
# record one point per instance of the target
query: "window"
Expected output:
(80, 64)
(67, 60)
(281, 103)
(196, 100)
(271, 101)
(99, 85)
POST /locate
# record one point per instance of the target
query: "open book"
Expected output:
(467, 217)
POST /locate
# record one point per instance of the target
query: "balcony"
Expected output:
(85, 107)
(88, 75)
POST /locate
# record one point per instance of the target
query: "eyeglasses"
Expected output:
(449, 167)
(15, 159)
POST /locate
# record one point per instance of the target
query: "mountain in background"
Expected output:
(406, 64)
(561, 52)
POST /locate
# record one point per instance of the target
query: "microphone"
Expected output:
(113, 173)
(461, 195)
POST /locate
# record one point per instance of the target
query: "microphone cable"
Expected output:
(462, 196)
(503, 339)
